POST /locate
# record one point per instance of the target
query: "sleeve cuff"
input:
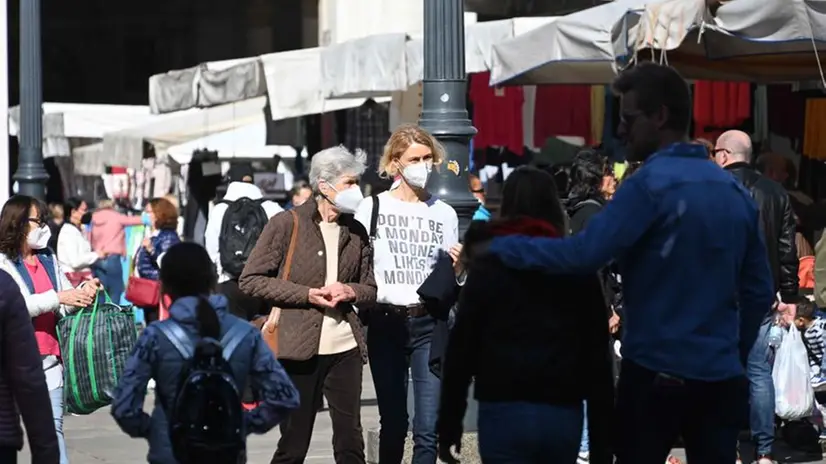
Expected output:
(789, 298)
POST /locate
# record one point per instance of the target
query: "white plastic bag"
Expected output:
(794, 396)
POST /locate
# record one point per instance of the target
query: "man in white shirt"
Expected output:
(240, 186)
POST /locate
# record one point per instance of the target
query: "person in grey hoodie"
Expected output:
(188, 277)
(23, 390)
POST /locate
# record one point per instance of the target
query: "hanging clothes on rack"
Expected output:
(562, 110)
(368, 128)
(720, 106)
(761, 114)
(497, 114)
(528, 115)
(814, 139)
(597, 113)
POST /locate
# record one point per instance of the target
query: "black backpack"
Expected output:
(243, 222)
(206, 421)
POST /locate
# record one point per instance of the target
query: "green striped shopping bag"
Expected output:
(95, 343)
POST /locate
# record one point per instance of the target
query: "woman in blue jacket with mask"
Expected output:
(188, 277)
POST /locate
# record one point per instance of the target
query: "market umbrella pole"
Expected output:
(444, 109)
(31, 174)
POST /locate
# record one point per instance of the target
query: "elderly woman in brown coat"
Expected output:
(321, 341)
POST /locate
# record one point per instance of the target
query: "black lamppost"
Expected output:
(31, 174)
(444, 109)
(444, 114)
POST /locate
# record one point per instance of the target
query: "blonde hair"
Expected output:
(400, 140)
(106, 203)
(56, 209)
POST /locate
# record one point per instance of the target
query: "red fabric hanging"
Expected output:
(562, 110)
(497, 114)
(719, 105)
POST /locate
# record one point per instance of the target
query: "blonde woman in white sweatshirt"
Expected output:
(74, 252)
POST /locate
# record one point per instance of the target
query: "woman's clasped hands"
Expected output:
(331, 295)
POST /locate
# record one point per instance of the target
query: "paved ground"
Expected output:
(95, 439)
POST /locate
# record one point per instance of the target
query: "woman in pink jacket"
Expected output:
(108, 236)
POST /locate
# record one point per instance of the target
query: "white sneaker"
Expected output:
(583, 458)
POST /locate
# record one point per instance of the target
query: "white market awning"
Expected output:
(294, 85)
(208, 84)
(745, 40)
(125, 147)
(83, 119)
(248, 141)
(573, 49)
(381, 64)
(62, 121)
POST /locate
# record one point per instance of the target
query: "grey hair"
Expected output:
(332, 164)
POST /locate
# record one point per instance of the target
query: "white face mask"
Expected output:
(417, 174)
(38, 239)
(347, 200)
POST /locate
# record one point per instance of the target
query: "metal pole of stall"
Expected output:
(31, 174)
(444, 103)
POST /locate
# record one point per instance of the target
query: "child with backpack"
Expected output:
(201, 358)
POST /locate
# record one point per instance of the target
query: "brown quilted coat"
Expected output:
(300, 324)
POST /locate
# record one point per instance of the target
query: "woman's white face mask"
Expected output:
(347, 200)
(416, 175)
(38, 239)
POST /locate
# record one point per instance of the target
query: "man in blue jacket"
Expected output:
(695, 273)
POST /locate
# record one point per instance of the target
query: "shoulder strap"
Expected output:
(288, 260)
(374, 217)
(232, 339)
(177, 336)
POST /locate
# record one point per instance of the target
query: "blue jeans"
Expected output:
(397, 344)
(525, 433)
(653, 410)
(761, 391)
(56, 397)
(110, 272)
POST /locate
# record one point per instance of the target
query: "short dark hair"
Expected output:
(587, 171)
(14, 223)
(805, 309)
(531, 192)
(187, 270)
(298, 186)
(658, 86)
(71, 204)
